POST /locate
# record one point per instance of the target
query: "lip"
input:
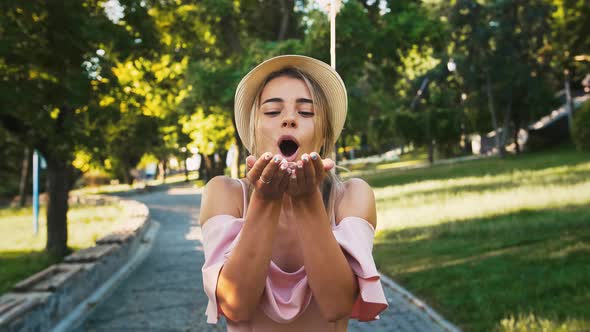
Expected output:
(293, 157)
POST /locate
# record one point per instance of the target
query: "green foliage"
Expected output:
(501, 43)
(581, 127)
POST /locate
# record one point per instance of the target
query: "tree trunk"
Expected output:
(127, 176)
(493, 114)
(203, 168)
(162, 170)
(515, 137)
(286, 9)
(24, 178)
(430, 151)
(59, 175)
(207, 159)
(185, 169)
(507, 118)
(220, 163)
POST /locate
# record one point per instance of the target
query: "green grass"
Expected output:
(21, 252)
(492, 244)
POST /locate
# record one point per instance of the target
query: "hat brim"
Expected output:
(328, 79)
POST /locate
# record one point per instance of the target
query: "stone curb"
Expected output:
(41, 301)
(79, 315)
(412, 300)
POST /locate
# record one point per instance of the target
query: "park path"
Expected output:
(165, 293)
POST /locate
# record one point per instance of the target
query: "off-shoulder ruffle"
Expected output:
(355, 236)
(220, 235)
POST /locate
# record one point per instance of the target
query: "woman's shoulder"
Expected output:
(221, 195)
(357, 199)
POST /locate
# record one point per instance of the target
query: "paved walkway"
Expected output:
(165, 292)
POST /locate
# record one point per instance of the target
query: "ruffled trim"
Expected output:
(355, 236)
(220, 236)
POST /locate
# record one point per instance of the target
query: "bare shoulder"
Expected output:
(357, 200)
(221, 195)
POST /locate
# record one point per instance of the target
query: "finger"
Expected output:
(268, 173)
(308, 170)
(328, 164)
(293, 181)
(250, 161)
(300, 174)
(258, 167)
(317, 165)
(280, 174)
(283, 183)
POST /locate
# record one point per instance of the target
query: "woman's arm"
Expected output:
(331, 279)
(242, 278)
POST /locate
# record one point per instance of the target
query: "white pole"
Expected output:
(333, 33)
(35, 192)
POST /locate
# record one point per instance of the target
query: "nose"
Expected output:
(289, 121)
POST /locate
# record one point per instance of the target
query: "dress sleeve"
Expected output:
(355, 236)
(220, 236)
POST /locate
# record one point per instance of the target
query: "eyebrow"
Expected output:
(280, 100)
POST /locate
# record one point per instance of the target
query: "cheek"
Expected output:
(311, 140)
(263, 133)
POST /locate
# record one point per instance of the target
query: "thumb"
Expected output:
(250, 161)
(328, 164)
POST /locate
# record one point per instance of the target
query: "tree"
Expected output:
(52, 77)
(498, 45)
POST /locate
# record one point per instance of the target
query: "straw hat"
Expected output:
(327, 78)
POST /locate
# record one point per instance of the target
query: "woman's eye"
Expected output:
(306, 113)
(272, 113)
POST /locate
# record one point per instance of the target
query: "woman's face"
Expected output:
(286, 119)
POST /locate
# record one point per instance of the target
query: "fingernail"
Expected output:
(277, 159)
(267, 156)
(299, 164)
(283, 166)
(305, 157)
(314, 156)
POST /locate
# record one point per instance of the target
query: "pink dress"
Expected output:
(287, 303)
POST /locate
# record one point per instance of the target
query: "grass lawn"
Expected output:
(493, 245)
(21, 252)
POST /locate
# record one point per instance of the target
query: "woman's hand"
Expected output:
(269, 176)
(309, 173)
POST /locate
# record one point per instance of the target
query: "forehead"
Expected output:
(286, 88)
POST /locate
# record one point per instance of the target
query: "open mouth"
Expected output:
(288, 145)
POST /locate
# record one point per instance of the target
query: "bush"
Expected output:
(581, 127)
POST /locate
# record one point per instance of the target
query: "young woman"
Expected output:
(288, 248)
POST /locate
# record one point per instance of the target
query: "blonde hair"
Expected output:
(332, 184)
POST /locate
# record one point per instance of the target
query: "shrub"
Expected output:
(581, 127)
